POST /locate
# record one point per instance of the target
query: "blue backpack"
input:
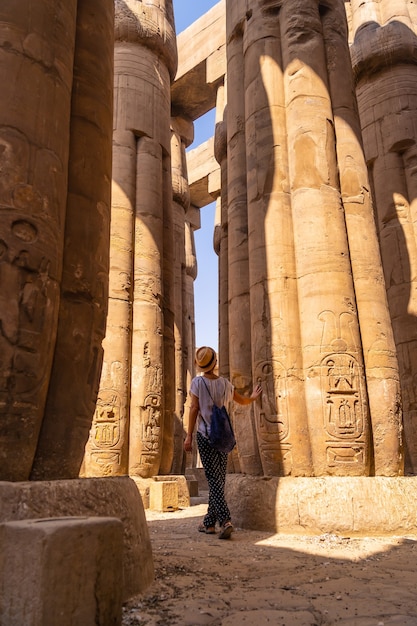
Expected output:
(221, 436)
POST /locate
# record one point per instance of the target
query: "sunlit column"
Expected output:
(189, 314)
(107, 449)
(145, 65)
(221, 229)
(276, 343)
(383, 56)
(365, 12)
(379, 350)
(180, 138)
(335, 383)
(239, 318)
(146, 422)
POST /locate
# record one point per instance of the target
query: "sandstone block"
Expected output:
(163, 495)
(64, 571)
(101, 497)
(183, 493)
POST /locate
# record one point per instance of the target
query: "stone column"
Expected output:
(220, 229)
(146, 425)
(33, 195)
(335, 383)
(78, 355)
(189, 316)
(376, 331)
(239, 318)
(276, 342)
(131, 403)
(169, 323)
(41, 116)
(384, 57)
(107, 450)
(182, 134)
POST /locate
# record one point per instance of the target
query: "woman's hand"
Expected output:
(256, 392)
(188, 443)
(245, 400)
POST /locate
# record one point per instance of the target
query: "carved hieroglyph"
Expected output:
(133, 426)
(302, 212)
(55, 162)
(384, 58)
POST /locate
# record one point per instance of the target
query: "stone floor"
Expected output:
(258, 578)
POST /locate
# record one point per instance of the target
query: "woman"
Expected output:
(205, 390)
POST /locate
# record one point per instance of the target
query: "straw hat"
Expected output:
(205, 358)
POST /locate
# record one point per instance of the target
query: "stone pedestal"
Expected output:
(144, 486)
(163, 496)
(339, 505)
(103, 497)
(62, 571)
(181, 481)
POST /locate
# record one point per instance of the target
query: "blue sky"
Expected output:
(188, 11)
(206, 284)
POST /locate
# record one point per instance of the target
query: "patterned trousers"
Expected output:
(214, 463)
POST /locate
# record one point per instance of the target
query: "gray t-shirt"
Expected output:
(221, 391)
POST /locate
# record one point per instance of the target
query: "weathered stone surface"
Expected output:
(303, 300)
(107, 448)
(180, 138)
(239, 321)
(147, 393)
(37, 44)
(55, 125)
(163, 495)
(192, 485)
(134, 422)
(181, 481)
(144, 485)
(101, 497)
(61, 571)
(150, 25)
(340, 505)
(298, 272)
(384, 58)
(76, 370)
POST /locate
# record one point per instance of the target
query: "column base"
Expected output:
(338, 505)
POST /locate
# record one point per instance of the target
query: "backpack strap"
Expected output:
(205, 423)
(208, 390)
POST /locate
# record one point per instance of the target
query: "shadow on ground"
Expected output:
(256, 578)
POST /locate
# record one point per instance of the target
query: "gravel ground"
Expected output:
(256, 578)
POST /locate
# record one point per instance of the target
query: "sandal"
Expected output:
(209, 530)
(226, 530)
